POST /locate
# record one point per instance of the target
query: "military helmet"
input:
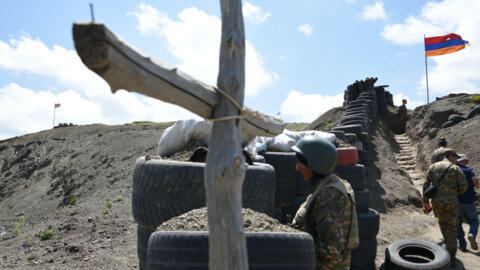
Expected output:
(320, 154)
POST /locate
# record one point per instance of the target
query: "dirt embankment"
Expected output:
(76, 182)
(424, 128)
(328, 120)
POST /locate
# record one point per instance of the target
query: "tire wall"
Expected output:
(363, 103)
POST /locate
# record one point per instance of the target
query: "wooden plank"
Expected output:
(123, 67)
(225, 171)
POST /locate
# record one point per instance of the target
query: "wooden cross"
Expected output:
(125, 68)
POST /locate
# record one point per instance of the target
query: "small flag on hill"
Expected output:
(57, 105)
(444, 44)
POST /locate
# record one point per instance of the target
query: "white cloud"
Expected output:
(411, 104)
(194, 39)
(86, 98)
(149, 18)
(299, 107)
(374, 12)
(306, 28)
(457, 72)
(254, 14)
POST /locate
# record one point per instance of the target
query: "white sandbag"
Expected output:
(176, 138)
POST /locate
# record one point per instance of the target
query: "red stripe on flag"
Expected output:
(433, 40)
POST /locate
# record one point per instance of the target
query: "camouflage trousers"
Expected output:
(449, 226)
(343, 263)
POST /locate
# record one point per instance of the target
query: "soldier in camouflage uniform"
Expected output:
(445, 202)
(328, 214)
(439, 153)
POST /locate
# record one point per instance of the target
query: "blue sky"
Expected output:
(301, 55)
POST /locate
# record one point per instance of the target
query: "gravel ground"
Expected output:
(197, 220)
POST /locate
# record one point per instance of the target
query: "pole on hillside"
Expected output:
(225, 171)
(91, 12)
(54, 110)
(426, 68)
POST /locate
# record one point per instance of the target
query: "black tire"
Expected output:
(284, 165)
(416, 254)
(364, 157)
(356, 118)
(364, 255)
(284, 194)
(355, 108)
(364, 137)
(350, 137)
(456, 118)
(354, 122)
(361, 102)
(368, 224)
(448, 124)
(362, 113)
(339, 134)
(164, 189)
(474, 112)
(189, 251)
(357, 129)
(349, 111)
(303, 187)
(361, 201)
(143, 234)
(353, 174)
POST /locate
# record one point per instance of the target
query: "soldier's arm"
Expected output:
(427, 183)
(329, 224)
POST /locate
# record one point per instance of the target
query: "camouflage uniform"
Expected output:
(329, 215)
(445, 202)
(438, 154)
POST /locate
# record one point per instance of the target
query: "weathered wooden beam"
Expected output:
(123, 67)
(225, 171)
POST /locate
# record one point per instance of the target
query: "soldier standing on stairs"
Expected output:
(450, 182)
(329, 213)
(402, 114)
(439, 153)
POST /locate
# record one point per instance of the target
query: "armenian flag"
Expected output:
(444, 44)
(57, 105)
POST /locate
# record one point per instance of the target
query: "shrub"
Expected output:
(476, 99)
(328, 126)
(108, 204)
(46, 235)
(119, 198)
(73, 201)
(105, 211)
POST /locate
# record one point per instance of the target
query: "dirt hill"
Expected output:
(76, 182)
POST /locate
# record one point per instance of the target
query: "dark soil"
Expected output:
(197, 220)
(64, 180)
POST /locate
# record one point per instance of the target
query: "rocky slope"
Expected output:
(76, 182)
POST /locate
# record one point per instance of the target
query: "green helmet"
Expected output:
(321, 155)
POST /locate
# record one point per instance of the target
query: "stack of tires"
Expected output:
(363, 257)
(164, 189)
(291, 189)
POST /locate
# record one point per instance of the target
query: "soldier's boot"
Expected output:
(452, 260)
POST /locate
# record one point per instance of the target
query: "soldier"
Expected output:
(328, 214)
(403, 114)
(467, 207)
(450, 182)
(438, 154)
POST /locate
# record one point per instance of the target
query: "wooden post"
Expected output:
(225, 169)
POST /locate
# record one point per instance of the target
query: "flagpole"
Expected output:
(54, 110)
(426, 67)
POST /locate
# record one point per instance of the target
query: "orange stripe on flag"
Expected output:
(445, 50)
